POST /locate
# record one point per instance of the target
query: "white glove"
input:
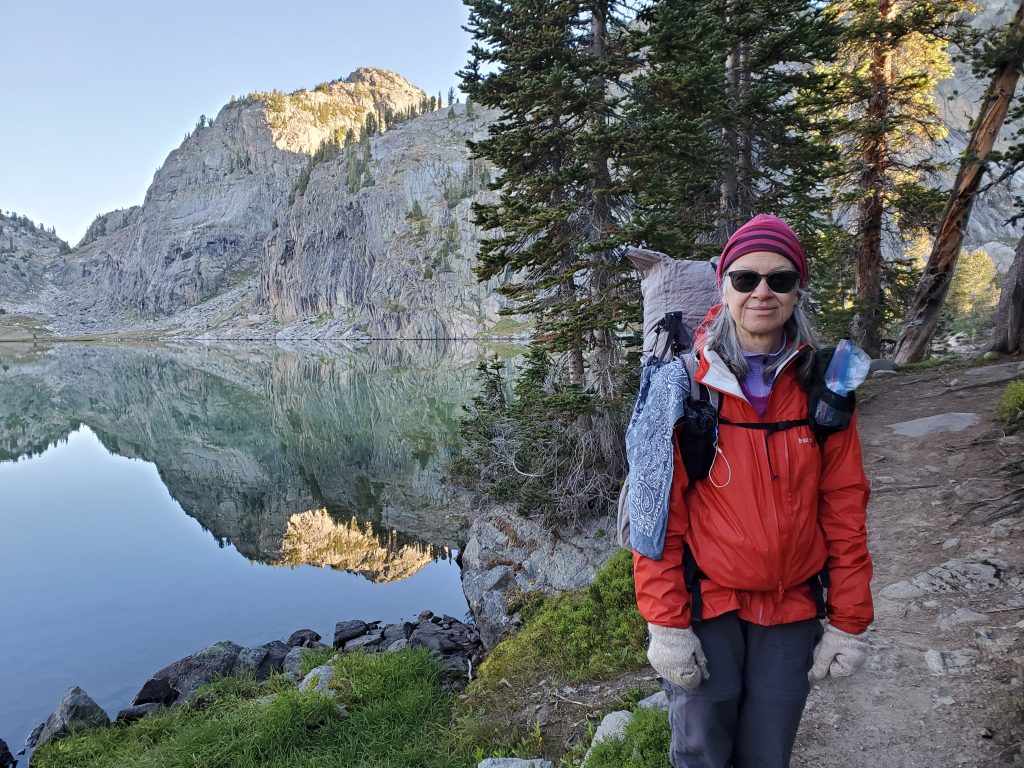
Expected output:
(838, 653)
(677, 656)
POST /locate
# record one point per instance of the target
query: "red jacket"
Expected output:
(775, 509)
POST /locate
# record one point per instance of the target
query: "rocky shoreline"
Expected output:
(506, 555)
(456, 646)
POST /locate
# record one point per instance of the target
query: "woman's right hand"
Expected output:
(676, 655)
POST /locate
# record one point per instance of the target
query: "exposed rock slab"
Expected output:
(506, 551)
(934, 425)
(950, 662)
(960, 617)
(978, 571)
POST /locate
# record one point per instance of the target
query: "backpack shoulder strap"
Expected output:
(699, 391)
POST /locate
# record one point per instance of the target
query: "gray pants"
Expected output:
(747, 714)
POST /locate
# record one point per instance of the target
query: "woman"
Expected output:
(776, 510)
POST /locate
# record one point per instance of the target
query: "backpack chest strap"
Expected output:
(771, 427)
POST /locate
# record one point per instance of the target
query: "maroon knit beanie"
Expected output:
(764, 233)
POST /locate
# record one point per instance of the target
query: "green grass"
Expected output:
(1010, 407)
(645, 744)
(923, 365)
(398, 717)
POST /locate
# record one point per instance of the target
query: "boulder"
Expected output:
(75, 711)
(156, 691)
(506, 551)
(291, 667)
(186, 675)
(348, 630)
(262, 661)
(318, 679)
(432, 636)
(401, 631)
(613, 726)
(33, 738)
(302, 638)
(137, 712)
(371, 641)
(6, 758)
(657, 700)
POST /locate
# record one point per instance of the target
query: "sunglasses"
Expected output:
(746, 280)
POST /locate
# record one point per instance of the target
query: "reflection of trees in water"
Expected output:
(244, 439)
(315, 538)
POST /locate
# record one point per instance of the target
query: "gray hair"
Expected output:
(723, 339)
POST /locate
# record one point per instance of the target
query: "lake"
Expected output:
(155, 501)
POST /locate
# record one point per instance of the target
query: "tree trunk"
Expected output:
(605, 355)
(923, 315)
(728, 205)
(872, 183)
(744, 142)
(1008, 331)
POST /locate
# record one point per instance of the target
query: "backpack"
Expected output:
(697, 431)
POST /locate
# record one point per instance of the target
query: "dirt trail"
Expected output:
(942, 686)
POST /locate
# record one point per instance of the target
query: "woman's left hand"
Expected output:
(838, 654)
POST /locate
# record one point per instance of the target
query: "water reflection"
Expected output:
(249, 440)
(313, 538)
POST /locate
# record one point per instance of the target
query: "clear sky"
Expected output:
(96, 94)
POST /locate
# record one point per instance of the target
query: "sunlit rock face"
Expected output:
(303, 120)
(314, 538)
(246, 439)
(212, 203)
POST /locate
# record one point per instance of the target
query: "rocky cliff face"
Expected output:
(248, 231)
(388, 248)
(28, 256)
(206, 217)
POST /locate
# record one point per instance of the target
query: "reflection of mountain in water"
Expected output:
(313, 538)
(246, 439)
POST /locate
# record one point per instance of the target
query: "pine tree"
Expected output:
(1003, 60)
(892, 55)
(727, 119)
(552, 69)
(451, 96)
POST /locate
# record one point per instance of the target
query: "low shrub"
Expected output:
(645, 743)
(584, 635)
(1010, 407)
